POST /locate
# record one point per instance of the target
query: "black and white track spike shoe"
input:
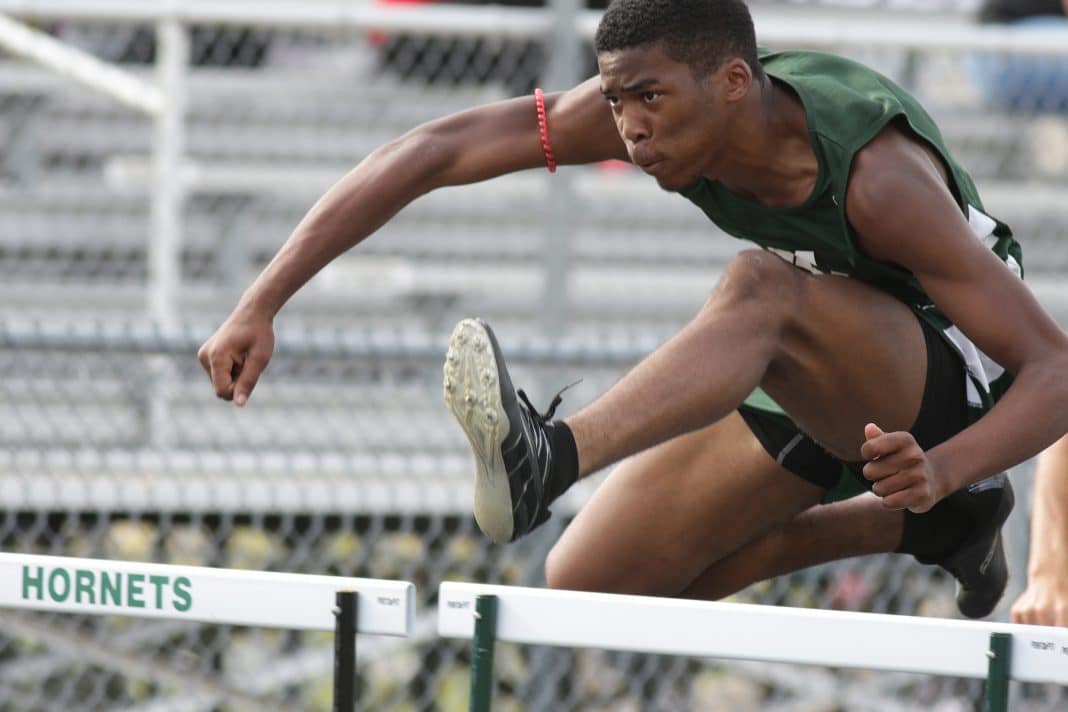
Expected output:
(509, 437)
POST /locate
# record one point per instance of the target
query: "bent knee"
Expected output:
(563, 572)
(569, 570)
(759, 276)
(760, 285)
(758, 273)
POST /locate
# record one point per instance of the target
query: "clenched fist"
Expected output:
(904, 477)
(236, 355)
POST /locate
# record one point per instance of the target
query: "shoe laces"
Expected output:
(543, 418)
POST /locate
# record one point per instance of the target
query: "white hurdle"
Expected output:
(995, 651)
(211, 595)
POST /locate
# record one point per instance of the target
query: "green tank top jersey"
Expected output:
(846, 105)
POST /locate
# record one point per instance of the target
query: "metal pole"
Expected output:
(482, 653)
(345, 611)
(168, 198)
(80, 66)
(561, 72)
(168, 194)
(997, 680)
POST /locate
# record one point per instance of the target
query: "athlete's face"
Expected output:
(672, 123)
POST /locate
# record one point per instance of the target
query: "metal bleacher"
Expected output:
(264, 141)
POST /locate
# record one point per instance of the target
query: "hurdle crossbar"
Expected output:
(753, 632)
(212, 595)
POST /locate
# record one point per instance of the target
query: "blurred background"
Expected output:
(156, 155)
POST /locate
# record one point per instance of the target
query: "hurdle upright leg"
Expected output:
(482, 653)
(999, 668)
(345, 651)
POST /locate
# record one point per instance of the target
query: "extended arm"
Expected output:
(1045, 602)
(467, 147)
(904, 213)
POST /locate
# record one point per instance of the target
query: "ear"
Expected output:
(736, 78)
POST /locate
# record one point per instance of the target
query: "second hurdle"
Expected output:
(998, 652)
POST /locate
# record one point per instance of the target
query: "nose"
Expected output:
(631, 126)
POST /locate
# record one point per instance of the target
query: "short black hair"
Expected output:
(700, 33)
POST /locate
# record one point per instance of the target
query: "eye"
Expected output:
(612, 100)
(650, 96)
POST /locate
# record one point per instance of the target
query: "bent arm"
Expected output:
(928, 235)
(463, 148)
(466, 147)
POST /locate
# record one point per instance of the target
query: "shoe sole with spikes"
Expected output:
(477, 390)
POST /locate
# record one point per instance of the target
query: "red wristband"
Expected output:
(543, 129)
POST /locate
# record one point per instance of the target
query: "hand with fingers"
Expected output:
(904, 477)
(1044, 601)
(236, 355)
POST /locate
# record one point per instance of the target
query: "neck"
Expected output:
(771, 159)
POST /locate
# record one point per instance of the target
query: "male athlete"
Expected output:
(882, 338)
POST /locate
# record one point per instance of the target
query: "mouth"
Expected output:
(652, 168)
(645, 157)
(649, 165)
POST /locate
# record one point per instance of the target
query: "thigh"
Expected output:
(663, 516)
(849, 355)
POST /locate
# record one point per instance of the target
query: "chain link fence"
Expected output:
(345, 461)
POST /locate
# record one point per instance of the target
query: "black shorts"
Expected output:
(943, 413)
